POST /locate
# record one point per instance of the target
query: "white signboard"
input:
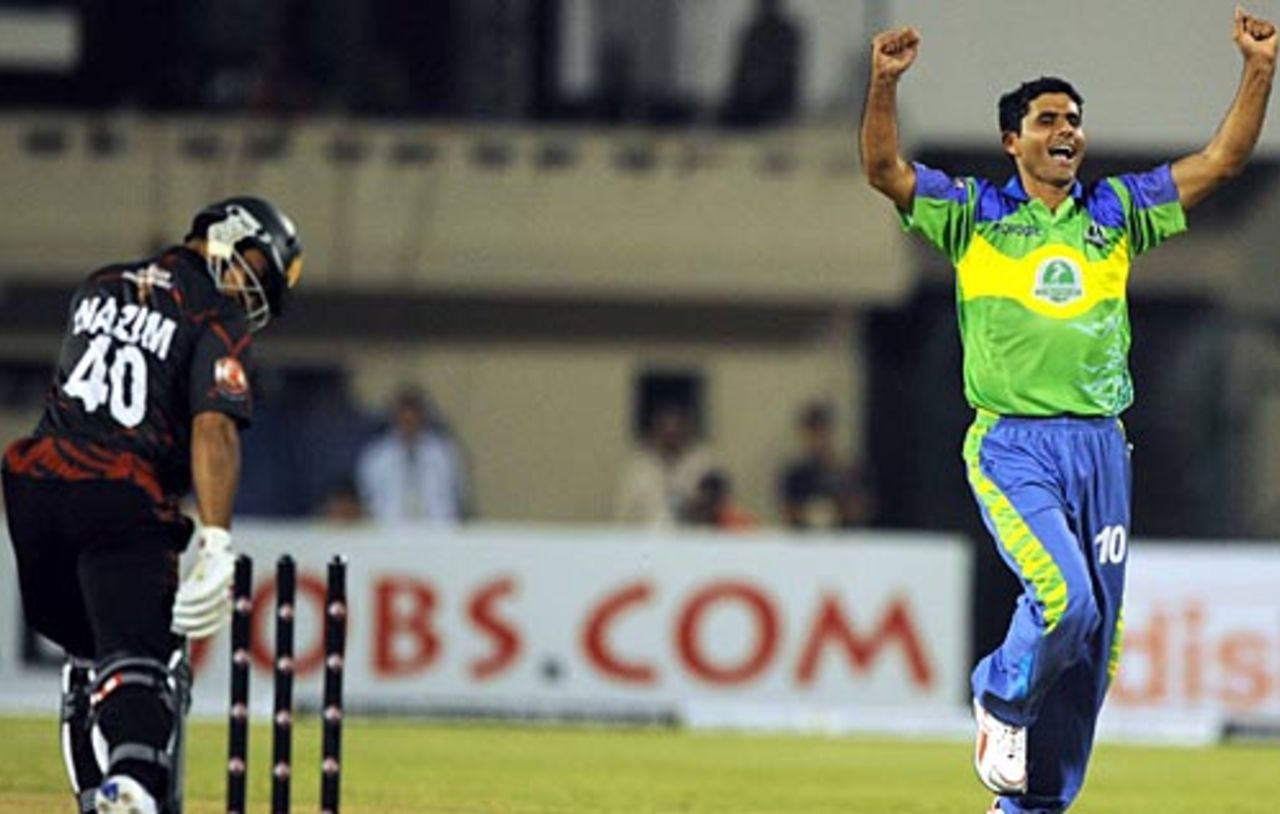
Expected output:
(606, 623)
(1202, 637)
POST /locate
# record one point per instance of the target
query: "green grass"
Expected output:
(469, 769)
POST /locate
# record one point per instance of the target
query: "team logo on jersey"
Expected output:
(1094, 236)
(230, 379)
(1059, 281)
(153, 276)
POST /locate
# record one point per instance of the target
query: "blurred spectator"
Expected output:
(636, 63)
(617, 97)
(765, 85)
(713, 505)
(342, 504)
(856, 503)
(413, 472)
(820, 490)
(660, 480)
(281, 56)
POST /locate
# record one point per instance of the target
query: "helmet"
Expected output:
(232, 227)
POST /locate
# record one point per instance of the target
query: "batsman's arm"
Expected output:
(215, 466)
(892, 52)
(1226, 154)
(202, 603)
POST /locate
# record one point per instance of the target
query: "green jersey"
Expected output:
(1040, 294)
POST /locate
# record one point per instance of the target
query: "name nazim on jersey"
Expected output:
(131, 323)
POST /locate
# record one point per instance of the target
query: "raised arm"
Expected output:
(1228, 151)
(892, 52)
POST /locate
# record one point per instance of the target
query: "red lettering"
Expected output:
(595, 636)
(1193, 654)
(765, 627)
(505, 640)
(1243, 657)
(832, 626)
(400, 629)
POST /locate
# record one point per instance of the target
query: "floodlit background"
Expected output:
(556, 220)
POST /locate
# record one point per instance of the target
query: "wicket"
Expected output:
(335, 636)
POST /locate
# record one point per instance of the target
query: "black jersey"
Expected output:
(148, 345)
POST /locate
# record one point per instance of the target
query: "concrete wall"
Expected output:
(547, 425)
(499, 212)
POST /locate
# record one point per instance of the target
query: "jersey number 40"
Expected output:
(121, 384)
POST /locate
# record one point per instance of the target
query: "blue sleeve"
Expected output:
(1153, 212)
(942, 210)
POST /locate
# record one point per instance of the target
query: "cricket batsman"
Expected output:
(150, 394)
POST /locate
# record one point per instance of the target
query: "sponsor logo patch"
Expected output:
(1017, 229)
(230, 379)
(1058, 281)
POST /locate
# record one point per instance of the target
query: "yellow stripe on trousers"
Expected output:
(1117, 645)
(1015, 536)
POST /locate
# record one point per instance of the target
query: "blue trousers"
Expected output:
(1054, 493)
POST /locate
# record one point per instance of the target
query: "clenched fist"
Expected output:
(1255, 36)
(892, 52)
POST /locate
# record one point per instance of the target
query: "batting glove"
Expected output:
(203, 603)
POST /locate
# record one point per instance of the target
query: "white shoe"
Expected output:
(1000, 753)
(121, 794)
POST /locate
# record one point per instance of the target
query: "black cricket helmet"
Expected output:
(232, 227)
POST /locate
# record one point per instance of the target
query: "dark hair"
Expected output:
(410, 397)
(816, 415)
(1014, 104)
(715, 485)
(414, 398)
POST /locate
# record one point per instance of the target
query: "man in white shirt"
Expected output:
(660, 479)
(414, 471)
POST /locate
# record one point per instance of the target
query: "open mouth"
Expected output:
(1064, 153)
